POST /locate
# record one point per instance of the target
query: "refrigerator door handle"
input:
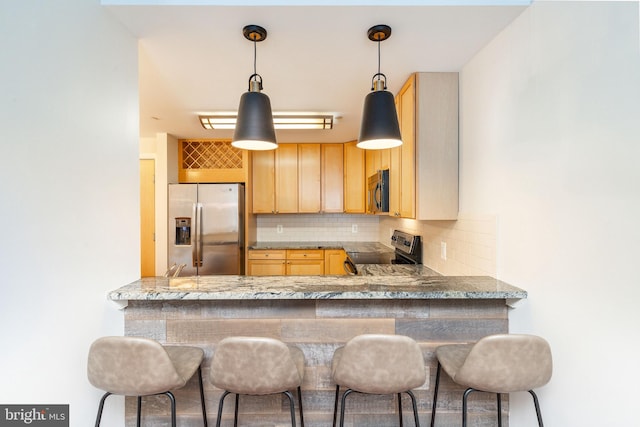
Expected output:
(194, 248)
(199, 233)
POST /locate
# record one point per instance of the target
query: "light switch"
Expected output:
(443, 250)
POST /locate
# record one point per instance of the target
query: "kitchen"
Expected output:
(565, 227)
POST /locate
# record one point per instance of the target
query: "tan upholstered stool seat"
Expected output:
(257, 366)
(133, 366)
(501, 363)
(378, 364)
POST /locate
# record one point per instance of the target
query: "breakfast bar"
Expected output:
(319, 314)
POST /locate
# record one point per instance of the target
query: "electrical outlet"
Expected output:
(443, 250)
(354, 228)
(279, 229)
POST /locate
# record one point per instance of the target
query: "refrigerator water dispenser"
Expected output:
(183, 231)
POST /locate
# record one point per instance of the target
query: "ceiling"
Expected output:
(194, 59)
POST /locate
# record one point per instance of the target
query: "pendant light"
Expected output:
(380, 128)
(254, 126)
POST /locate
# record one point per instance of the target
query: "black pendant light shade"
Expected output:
(380, 128)
(254, 125)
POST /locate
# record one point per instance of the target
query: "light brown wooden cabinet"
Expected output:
(289, 262)
(423, 173)
(266, 262)
(355, 180)
(402, 177)
(304, 262)
(332, 178)
(309, 171)
(334, 261)
(287, 179)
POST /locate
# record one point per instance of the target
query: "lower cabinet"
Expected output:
(295, 262)
(302, 262)
(267, 263)
(334, 261)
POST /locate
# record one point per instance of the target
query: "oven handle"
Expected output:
(350, 267)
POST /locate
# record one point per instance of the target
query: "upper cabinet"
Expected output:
(287, 179)
(332, 178)
(355, 179)
(423, 173)
(309, 172)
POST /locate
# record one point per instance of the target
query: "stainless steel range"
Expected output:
(408, 250)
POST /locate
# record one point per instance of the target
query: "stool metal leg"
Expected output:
(300, 405)
(173, 407)
(415, 407)
(344, 398)
(101, 407)
(220, 405)
(235, 413)
(139, 411)
(435, 396)
(292, 407)
(204, 409)
(537, 405)
(499, 399)
(400, 408)
(466, 394)
(335, 406)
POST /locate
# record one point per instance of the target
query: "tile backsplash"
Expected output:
(466, 246)
(317, 228)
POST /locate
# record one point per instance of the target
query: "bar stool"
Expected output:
(257, 366)
(133, 366)
(501, 363)
(378, 364)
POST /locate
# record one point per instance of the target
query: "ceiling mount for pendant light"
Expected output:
(380, 128)
(254, 125)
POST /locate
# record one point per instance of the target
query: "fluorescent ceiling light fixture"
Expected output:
(280, 121)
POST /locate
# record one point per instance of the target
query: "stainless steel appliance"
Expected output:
(206, 228)
(408, 250)
(378, 192)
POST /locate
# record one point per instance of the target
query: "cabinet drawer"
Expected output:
(267, 254)
(305, 254)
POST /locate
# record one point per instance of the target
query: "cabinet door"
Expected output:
(407, 149)
(305, 267)
(286, 172)
(309, 188)
(264, 267)
(332, 178)
(402, 173)
(334, 261)
(354, 179)
(263, 181)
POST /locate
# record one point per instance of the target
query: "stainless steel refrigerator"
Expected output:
(206, 228)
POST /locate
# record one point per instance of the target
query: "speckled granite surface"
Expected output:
(317, 287)
(347, 246)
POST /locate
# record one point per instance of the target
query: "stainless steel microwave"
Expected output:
(378, 192)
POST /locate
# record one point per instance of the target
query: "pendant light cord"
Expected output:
(255, 55)
(378, 59)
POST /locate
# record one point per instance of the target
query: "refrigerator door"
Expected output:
(221, 242)
(182, 227)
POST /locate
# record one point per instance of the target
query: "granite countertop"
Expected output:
(347, 246)
(317, 287)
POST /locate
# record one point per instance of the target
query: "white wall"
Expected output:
(550, 142)
(69, 196)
